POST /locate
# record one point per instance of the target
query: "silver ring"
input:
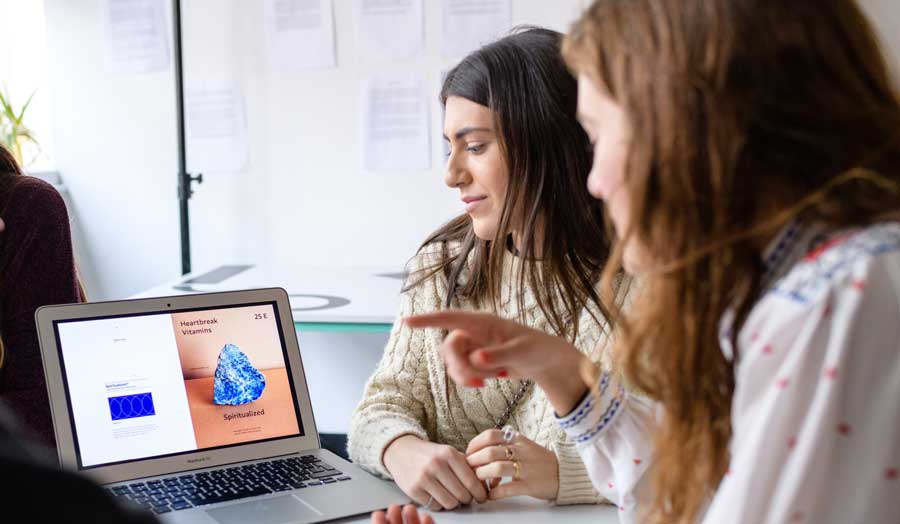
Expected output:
(509, 433)
(428, 504)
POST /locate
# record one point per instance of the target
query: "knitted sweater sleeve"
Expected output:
(397, 400)
(575, 486)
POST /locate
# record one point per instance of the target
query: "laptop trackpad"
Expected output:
(277, 510)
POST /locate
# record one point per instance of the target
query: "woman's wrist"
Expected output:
(396, 450)
(562, 382)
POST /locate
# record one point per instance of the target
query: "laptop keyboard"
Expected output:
(221, 485)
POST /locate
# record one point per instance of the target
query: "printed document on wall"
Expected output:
(469, 24)
(389, 29)
(136, 36)
(216, 127)
(395, 123)
(300, 34)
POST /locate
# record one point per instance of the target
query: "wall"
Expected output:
(116, 152)
(301, 198)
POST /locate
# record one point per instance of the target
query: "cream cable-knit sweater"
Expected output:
(410, 393)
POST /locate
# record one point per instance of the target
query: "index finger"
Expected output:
(478, 325)
(489, 437)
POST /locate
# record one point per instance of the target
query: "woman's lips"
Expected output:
(472, 203)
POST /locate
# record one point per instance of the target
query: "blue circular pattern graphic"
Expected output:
(131, 406)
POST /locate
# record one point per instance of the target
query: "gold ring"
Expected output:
(518, 470)
(510, 454)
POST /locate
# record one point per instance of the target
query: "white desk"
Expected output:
(353, 296)
(342, 317)
(520, 510)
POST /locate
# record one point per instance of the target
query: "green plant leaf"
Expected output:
(25, 107)
(7, 107)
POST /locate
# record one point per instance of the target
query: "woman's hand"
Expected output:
(395, 515)
(481, 346)
(434, 475)
(492, 458)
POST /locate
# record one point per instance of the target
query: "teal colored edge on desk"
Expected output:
(343, 327)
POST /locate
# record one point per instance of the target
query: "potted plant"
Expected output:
(14, 134)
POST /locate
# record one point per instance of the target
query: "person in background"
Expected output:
(748, 152)
(37, 268)
(526, 248)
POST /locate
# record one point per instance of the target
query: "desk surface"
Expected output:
(520, 510)
(361, 295)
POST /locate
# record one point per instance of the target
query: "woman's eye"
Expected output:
(475, 148)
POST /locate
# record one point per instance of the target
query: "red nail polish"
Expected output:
(476, 383)
(483, 357)
(503, 374)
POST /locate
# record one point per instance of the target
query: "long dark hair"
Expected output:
(524, 82)
(745, 115)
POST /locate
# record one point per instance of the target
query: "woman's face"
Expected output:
(476, 165)
(607, 126)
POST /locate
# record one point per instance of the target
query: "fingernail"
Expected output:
(503, 374)
(483, 356)
(476, 383)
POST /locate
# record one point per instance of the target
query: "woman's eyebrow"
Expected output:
(470, 129)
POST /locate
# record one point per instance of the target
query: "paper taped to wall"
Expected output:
(389, 29)
(136, 36)
(300, 34)
(395, 123)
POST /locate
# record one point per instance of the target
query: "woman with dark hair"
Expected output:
(526, 249)
(748, 152)
(37, 268)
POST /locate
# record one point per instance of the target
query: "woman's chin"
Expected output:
(483, 231)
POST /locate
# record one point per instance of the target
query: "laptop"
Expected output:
(196, 408)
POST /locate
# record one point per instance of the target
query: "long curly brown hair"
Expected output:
(745, 114)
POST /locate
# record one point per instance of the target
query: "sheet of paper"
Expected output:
(469, 24)
(395, 123)
(389, 29)
(215, 127)
(137, 40)
(300, 34)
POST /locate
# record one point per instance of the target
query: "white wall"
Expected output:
(116, 153)
(885, 16)
(23, 72)
(302, 197)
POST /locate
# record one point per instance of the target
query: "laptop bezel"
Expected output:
(62, 415)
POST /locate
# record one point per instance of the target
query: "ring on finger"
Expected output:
(518, 468)
(510, 453)
(428, 504)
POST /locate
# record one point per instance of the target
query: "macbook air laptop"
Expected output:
(196, 407)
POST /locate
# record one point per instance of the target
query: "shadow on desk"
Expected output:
(335, 443)
(519, 510)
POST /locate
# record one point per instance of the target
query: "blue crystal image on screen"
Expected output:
(131, 406)
(237, 381)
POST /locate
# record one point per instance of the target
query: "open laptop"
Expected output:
(196, 407)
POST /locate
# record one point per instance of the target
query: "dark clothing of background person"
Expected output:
(37, 268)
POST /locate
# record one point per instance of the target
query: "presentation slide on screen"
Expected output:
(150, 385)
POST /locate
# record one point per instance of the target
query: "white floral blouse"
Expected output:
(816, 410)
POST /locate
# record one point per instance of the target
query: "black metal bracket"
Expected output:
(186, 185)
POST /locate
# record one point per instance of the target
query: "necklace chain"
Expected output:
(511, 406)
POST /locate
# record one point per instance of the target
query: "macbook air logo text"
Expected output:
(198, 459)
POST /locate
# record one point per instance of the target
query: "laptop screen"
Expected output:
(165, 383)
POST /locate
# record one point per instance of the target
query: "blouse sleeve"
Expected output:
(815, 419)
(611, 428)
